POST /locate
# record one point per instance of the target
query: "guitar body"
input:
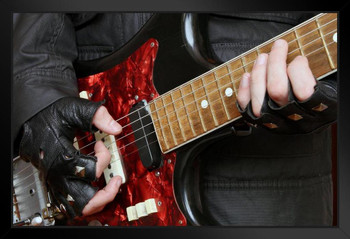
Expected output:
(167, 52)
(144, 68)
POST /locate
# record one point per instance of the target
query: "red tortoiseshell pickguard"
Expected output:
(118, 86)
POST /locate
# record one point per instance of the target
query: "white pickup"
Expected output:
(116, 166)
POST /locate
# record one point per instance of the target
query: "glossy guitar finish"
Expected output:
(315, 38)
(143, 68)
(167, 52)
(121, 87)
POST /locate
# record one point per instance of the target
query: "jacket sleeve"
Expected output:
(44, 49)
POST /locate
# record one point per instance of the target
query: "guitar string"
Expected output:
(183, 116)
(264, 44)
(174, 111)
(124, 146)
(185, 105)
(193, 102)
(174, 120)
(156, 141)
(22, 170)
(23, 197)
(27, 204)
(217, 79)
(211, 91)
(25, 178)
(19, 183)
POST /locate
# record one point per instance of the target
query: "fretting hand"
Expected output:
(285, 98)
(270, 73)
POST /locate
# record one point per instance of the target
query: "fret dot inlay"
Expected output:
(228, 92)
(204, 104)
(207, 102)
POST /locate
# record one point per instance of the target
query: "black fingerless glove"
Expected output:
(296, 117)
(47, 143)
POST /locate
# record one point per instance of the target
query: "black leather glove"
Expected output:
(47, 143)
(296, 117)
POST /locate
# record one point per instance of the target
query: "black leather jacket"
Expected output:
(288, 178)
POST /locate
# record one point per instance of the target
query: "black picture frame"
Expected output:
(342, 230)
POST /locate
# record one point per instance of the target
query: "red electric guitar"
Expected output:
(166, 91)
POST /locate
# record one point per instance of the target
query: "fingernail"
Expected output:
(119, 181)
(115, 126)
(261, 59)
(245, 80)
(279, 42)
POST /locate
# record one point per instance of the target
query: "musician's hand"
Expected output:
(270, 73)
(285, 98)
(103, 121)
(47, 143)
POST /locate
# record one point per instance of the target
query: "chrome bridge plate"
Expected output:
(30, 197)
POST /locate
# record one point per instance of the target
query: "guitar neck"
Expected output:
(207, 102)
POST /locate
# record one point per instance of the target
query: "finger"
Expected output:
(103, 157)
(104, 121)
(301, 78)
(258, 83)
(277, 79)
(103, 197)
(243, 96)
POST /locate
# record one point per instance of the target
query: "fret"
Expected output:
(181, 114)
(208, 87)
(318, 63)
(265, 48)
(225, 84)
(208, 102)
(203, 105)
(172, 118)
(294, 45)
(164, 123)
(214, 98)
(235, 89)
(308, 35)
(158, 128)
(189, 132)
(329, 34)
(237, 71)
(243, 64)
(313, 48)
(258, 51)
(220, 89)
(192, 109)
(324, 43)
(299, 46)
(249, 60)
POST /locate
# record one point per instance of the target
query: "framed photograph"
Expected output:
(229, 119)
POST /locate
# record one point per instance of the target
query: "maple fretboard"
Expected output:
(207, 102)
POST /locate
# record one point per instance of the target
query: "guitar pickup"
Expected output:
(144, 132)
(116, 166)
